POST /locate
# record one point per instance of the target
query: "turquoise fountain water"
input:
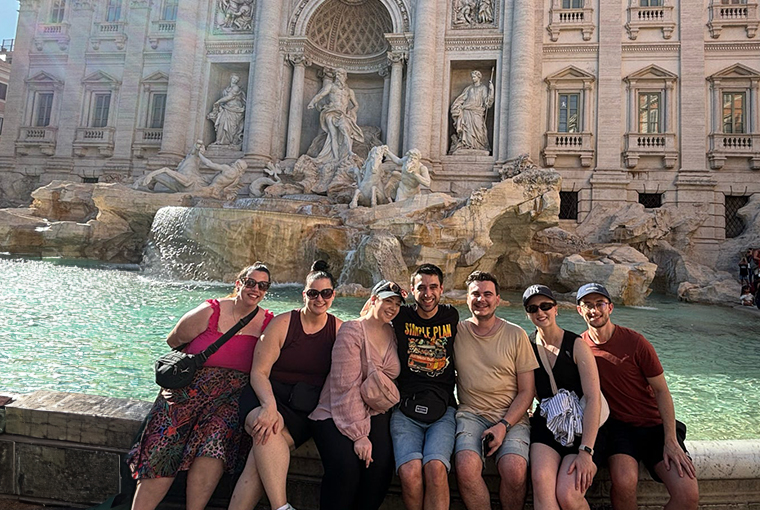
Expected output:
(97, 329)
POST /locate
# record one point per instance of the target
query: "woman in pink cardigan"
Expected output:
(351, 427)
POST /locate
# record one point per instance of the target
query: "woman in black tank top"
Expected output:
(561, 474)
(290, 367)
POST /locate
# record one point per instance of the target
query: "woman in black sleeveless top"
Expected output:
(561, 475)
(293, 360)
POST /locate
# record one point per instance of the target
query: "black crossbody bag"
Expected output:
(177, 368)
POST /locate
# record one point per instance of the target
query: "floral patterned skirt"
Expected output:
(200, 420)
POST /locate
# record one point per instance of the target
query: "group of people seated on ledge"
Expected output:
(377, 394)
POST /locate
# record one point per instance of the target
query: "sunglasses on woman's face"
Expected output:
(544, 307)
(250, 283)
(325, 293)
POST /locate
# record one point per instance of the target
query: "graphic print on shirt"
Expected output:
(427, 348)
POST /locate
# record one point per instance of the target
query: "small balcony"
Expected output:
(650, 144)
(571, 19)
(724, 146)
(146, 138)
(54, 32)
(569, 144)
(161, 29)
(650, 17)
(100, 138)
(733, 15)
(109, 31)
(42, 138)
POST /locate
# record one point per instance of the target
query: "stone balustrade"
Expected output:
(650, 17)
(42, 137)
(733, 15)
(100, 138)
(569, 144)
(64, 449)
(650, 144)
(736, 145)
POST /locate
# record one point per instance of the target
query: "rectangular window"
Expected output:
(572, 4)
(568, 113)
(158, 110)
(650, 200)
(100, 113)
(3, 91)
(1, 126)
(170, 10)
(56, 13)
(734, 223)
(113, 10)
(568, 205)
(650, 3)
(44, 109)
(649, 112)
(733, 112)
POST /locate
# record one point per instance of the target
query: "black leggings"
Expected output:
(347, 484)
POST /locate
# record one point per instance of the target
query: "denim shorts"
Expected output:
(413, 439)
(470, 428)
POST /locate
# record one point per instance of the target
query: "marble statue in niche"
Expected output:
(468, 112)
(228, 115)
(337, 107)
(235, 15)
(473, 12)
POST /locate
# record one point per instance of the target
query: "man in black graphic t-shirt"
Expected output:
(424, 425)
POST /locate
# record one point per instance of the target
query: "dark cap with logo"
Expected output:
(385, 289)
(592, 288)
(537, 290)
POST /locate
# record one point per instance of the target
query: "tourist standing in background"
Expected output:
(196, 428)
(642, 424)
(352, 430)
(744, 278)
(561, 473)
(291, 365)
(495, 386)
(423, 426)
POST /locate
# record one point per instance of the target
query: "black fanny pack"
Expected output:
(425, 406)
(301, 397)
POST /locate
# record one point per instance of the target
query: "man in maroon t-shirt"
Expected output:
(642, 424)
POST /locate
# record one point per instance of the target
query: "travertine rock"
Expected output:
(625, 273)
(64, 201)
(731, 250)
(378, 256)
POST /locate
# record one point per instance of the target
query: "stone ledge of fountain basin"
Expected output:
(292, 204)
(69, 447)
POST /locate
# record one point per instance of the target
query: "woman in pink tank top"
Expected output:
(196, 428)
(290, 368)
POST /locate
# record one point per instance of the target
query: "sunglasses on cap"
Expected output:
(250, 283)
(544, 307)
(314, 293)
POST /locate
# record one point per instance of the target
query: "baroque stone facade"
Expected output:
(653, 101)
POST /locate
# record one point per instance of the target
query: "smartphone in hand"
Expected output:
(484, 447)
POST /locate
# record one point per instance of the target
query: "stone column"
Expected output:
(394, 101)
(521, 86)
(386, 76)
(182, 79)
(422, 76)
(129, 94)
(15, 116)
(70, 118)
(295, 116)
(266, 82)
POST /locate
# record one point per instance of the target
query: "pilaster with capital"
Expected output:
(265, 83)
(609, 115)
(521, 86)
(181, 81)
(15, 100)
(422, 79)
(396, 60)
(385, 74)
(295, 116)
(73, 90)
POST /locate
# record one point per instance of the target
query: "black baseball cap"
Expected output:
(537, 290)
(591, 288)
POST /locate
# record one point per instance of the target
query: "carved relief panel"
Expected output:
(473, 14)
(234, 16)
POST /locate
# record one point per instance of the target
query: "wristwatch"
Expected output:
(587, 449)
(507, 425)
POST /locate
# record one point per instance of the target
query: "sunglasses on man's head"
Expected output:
(544, 307)
(251, 283)
(325, 293)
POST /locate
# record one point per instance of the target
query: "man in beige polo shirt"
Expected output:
(495, 385)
